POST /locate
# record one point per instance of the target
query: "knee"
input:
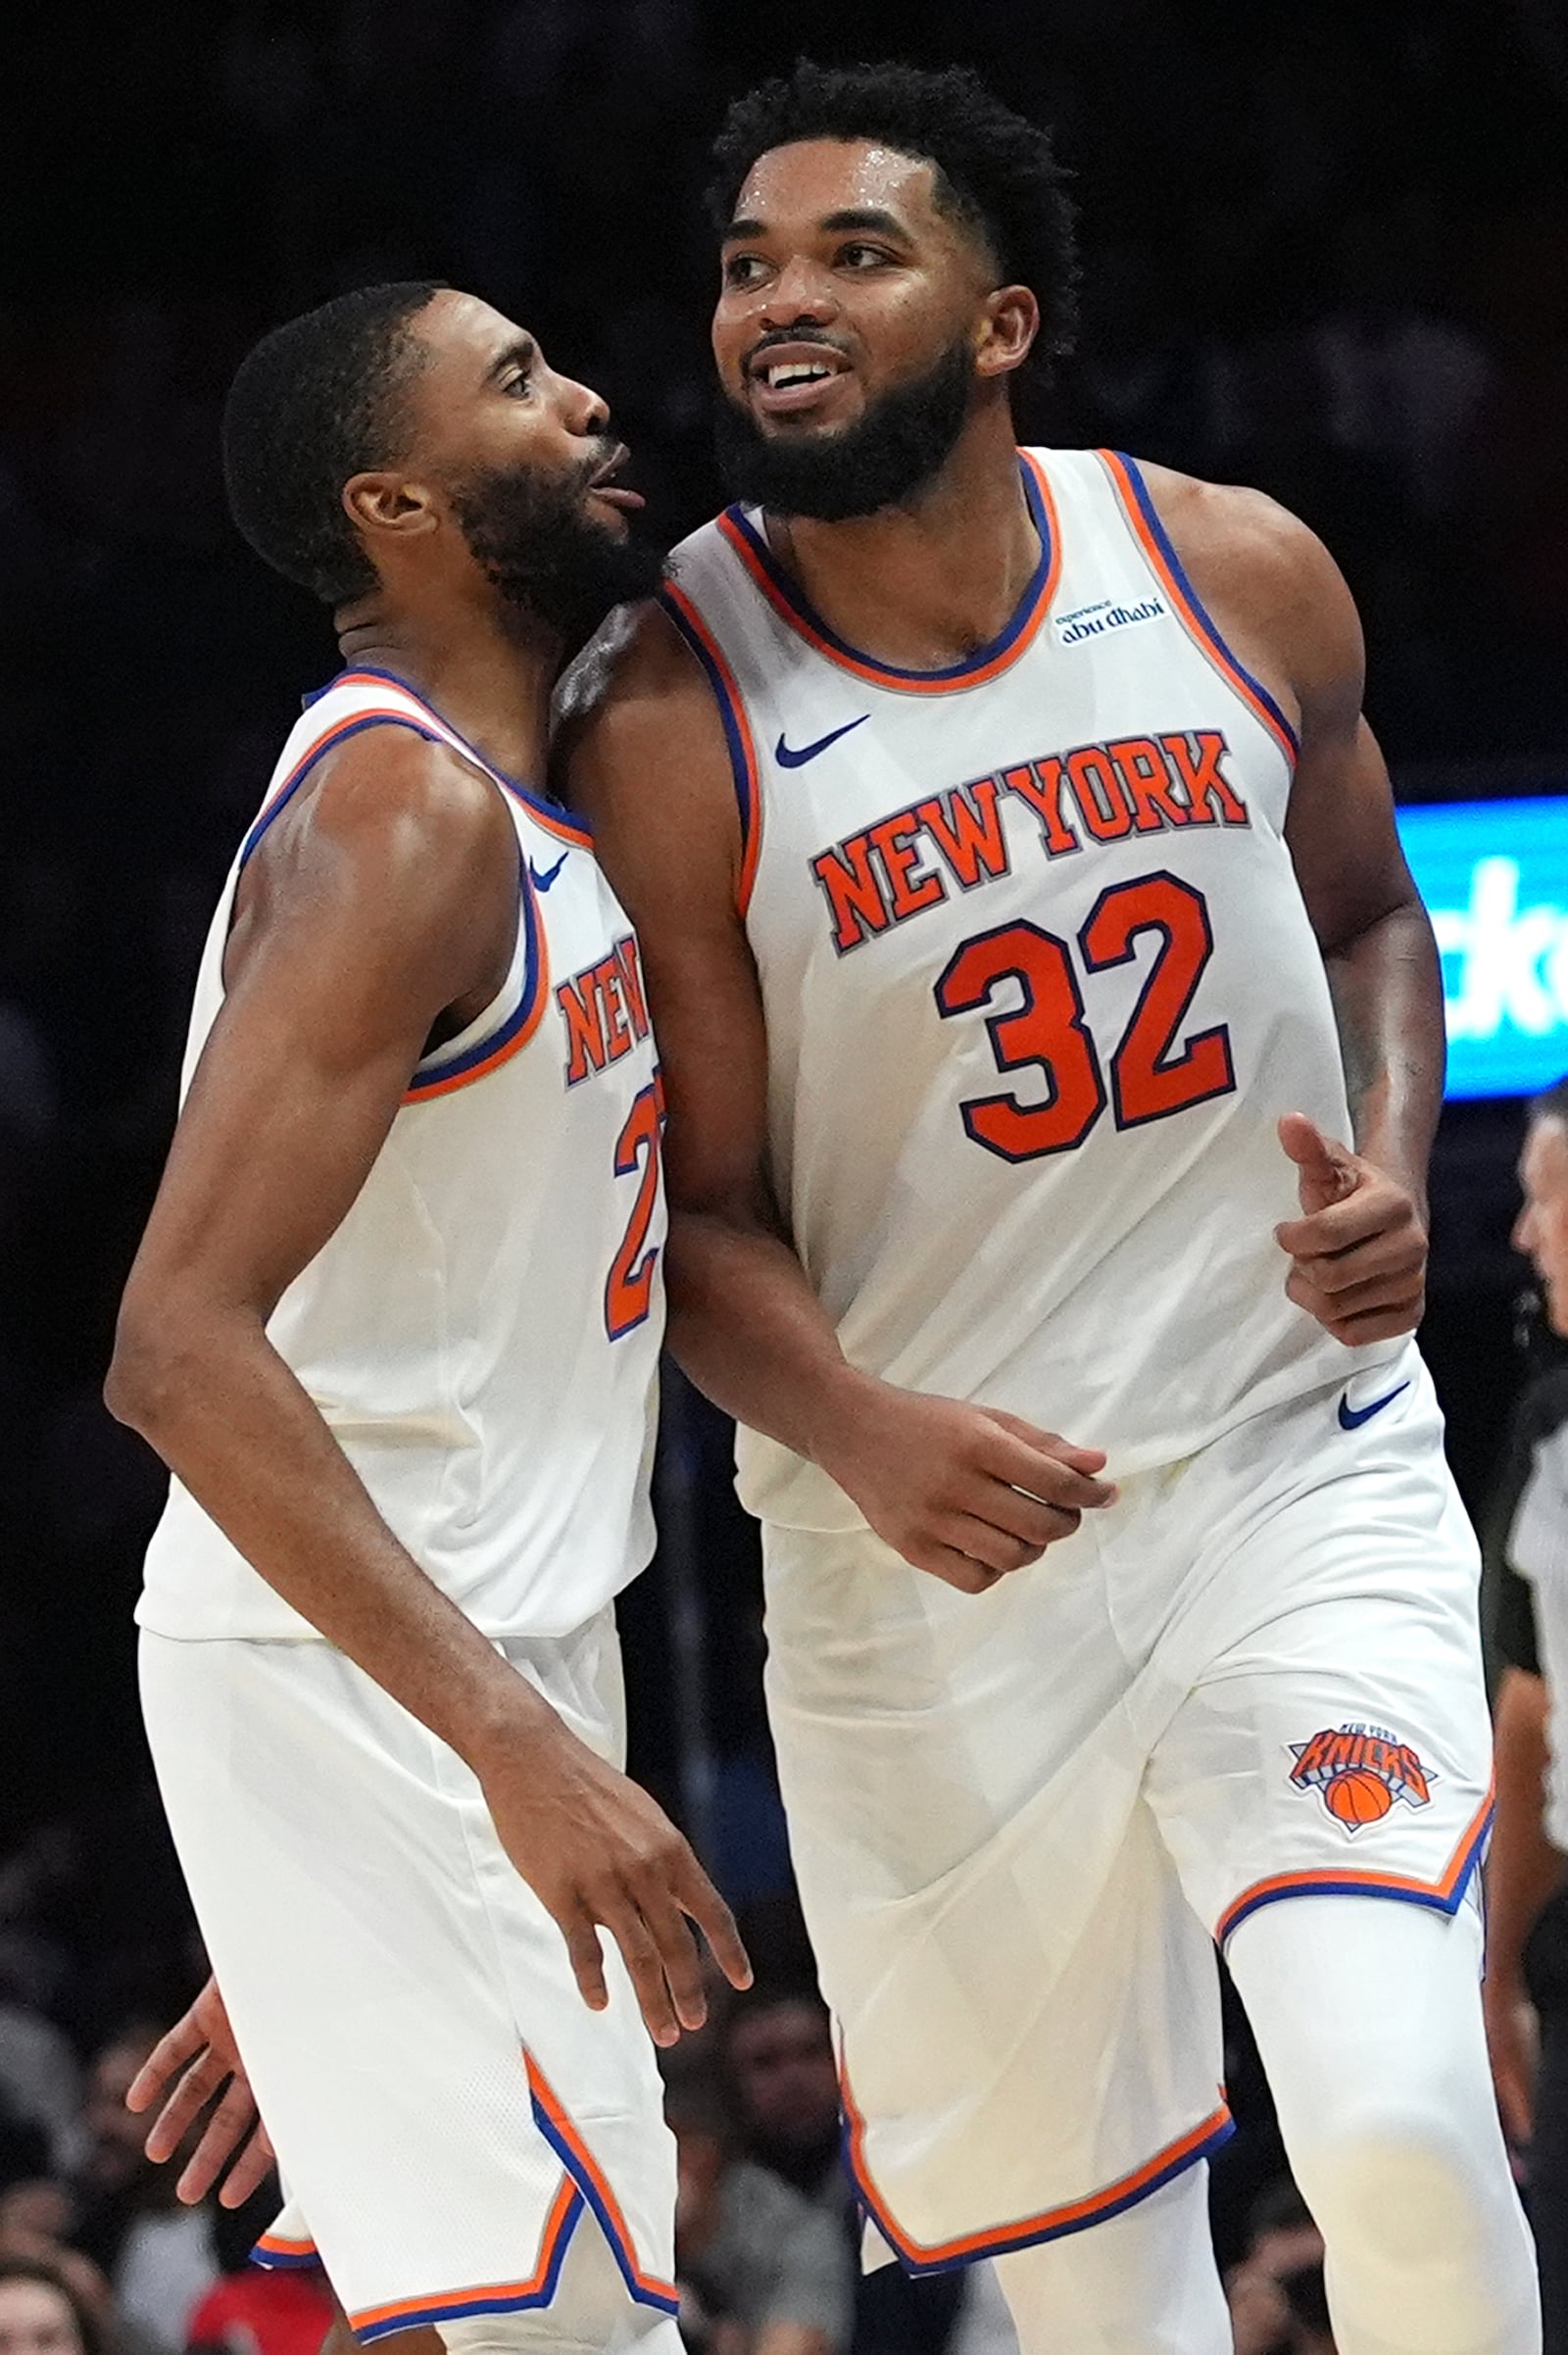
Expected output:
(1400, 2177)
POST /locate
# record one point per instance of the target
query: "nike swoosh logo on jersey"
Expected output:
(544, 881)
(809, 751)
(1352, 1417)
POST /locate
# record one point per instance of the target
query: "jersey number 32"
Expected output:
(1151, 1074)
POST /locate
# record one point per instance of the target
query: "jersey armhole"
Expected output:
(353, 726)
(507, 1023)
(1143, 520)
(512, 1015)
(737, 739)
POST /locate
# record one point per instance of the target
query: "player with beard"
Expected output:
(1053, 1041)
(394, 1328)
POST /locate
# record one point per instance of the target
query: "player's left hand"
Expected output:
(1359, 1251)
(196, 2063)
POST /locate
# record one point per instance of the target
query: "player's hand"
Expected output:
(965, 1492)
(1512, 2043)
(1359, 1251)
(597, 1852)
(195, 2065)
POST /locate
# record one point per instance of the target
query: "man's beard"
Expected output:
(534, 542)
(898, 445)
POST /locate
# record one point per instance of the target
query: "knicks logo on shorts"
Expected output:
(1360, 1771)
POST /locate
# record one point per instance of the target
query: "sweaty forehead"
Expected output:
(811, 179)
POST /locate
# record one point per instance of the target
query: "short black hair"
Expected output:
(317, 401)
(995, 171)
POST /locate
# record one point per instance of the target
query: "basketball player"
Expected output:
(1053, 1041)
(394, 1328)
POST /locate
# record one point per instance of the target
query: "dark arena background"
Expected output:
(1325, 252)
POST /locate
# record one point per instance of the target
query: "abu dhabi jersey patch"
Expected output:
(1100, 618)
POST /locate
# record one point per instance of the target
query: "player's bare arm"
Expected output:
(379, 911)
(1359, 1251)
(964, 1493)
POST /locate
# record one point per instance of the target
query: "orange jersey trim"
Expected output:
(1052, 2224)
(424, 720)
(1147, 528)
(738, 736)
(554, 821)
(554, 2124)
(1445, 1895)
(377, 716)
(403, 2313)
(989, 664)
(519, 1027)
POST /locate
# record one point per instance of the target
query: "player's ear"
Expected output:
(1007, 328)
(375, 503)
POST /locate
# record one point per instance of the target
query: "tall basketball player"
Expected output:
(1053, 1041)
(394, 1327)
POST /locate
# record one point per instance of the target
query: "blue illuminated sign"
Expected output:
(1495, 879)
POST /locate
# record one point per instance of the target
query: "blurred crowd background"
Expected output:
(1326, 252)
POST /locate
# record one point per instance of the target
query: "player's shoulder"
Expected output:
(1228, 524)
(391, 796)
(640, 653)
(1264, 573)
(634, 704)
(637, 656)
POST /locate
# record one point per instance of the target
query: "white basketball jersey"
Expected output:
(481, 1333)
(1038, 981)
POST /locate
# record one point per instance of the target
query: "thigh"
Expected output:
(446, 2110)
(1028, 2012)
(1332, 1731)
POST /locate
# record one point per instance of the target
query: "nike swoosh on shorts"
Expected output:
(1352, 1417)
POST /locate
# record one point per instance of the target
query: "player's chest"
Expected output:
(884, 816)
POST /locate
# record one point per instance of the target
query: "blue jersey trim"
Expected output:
(1004, 2243)
(1427, 1897)
(439, 1072)
(519, 2302)
(550, 811)
(739, 767)
(1023, 612)
(1435, 1900)
(1200, 611)
(329, 744)
(637, 2286)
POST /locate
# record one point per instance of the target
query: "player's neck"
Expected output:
(921, 586)
(488, 677)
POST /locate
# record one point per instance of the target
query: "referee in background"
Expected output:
(1527, 1871)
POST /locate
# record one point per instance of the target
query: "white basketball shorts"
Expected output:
(445, 2109)
(1020, 1820)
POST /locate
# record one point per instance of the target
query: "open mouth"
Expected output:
(793, 376)
(614, 494)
